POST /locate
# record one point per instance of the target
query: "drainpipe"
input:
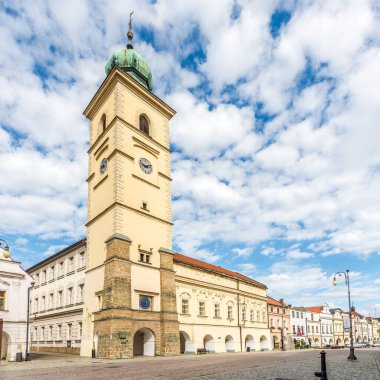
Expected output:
(238, 313)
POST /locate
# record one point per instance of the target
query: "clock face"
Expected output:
(145, 302)
(145, 166)
(103, 166)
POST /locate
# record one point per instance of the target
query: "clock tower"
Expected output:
(130, 300)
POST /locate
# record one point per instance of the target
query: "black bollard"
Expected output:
(93, 353)
(323, 373)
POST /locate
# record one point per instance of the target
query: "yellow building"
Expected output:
(138, 296)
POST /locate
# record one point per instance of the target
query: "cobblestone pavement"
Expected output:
(296, 365)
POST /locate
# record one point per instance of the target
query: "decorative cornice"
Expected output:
(166, 250)
(120, 237)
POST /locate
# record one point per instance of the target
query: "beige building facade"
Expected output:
(279, 324)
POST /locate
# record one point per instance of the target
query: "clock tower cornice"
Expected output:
(117, 75)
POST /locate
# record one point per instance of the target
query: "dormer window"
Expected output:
(144, 125)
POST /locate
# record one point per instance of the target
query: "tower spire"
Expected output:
(130, 34)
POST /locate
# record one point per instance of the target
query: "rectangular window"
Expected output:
(51, 301)
(43, 279)
(69, 330)
(81, 259)
(52, 273)
(264, 316)
(278, 311)
(298, 314)
(312, 329)
(185, 306)
(217, 310)
(308, 329)
(43, 303)
(42, 333)
(271, 323)
(60, 298)
(80, 329)
(271, 308)
(316, 329)
(258, 316)
(81, 293)
(303, 332)
(202, 308)
(293, 313)
(2, 300)
(229, 312)
(312, 317)
(37, 279)
(61, 269)
(71, 264)
(278, 323)
(244, 315)
(252, 316)
(59, 332)
(50, 333)
(70, 298)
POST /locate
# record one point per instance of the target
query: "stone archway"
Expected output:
(316, 342)
(346, 342)
(249, 343)
(331, 341)
(144, 342)
(5, 345)
(264, 343)
(339, 342)
(209, 344)
(365, 339)
(186, 344)
(230, 344)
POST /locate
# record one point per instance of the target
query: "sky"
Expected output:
(275, 144)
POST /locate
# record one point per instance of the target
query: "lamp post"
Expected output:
(346, 275)
(4, 244)
(27, 356)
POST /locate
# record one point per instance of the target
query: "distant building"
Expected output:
(14, 284)
(279, 324)
(313, 327)
(298, 322)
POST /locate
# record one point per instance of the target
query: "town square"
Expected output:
(190, 190)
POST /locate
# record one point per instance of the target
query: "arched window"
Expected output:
(144, 125)
(104, 122)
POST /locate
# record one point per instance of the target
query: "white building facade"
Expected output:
(298, 322)
(57, 301)
(14, 284)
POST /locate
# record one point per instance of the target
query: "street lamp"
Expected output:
(347, 280)
(27, 356)
(4, 244)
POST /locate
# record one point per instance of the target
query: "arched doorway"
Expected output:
(339, 342)
(331, 341)
(365, 339)
(187, 346)
(276, 342)
(209, 343)
(230, 343)
(346, 342)
(358, 339)
(264, 343)
(316, 342)
(5, 344)
(144, 342)
(249, 343)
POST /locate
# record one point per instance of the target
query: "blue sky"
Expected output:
(277, 128)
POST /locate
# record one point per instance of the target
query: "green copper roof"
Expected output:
(133, 64)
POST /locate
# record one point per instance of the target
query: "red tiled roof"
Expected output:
(315, 309)
(272, 301)
(214, 268)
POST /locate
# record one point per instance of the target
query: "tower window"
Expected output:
(144, 125)
(104, 122)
